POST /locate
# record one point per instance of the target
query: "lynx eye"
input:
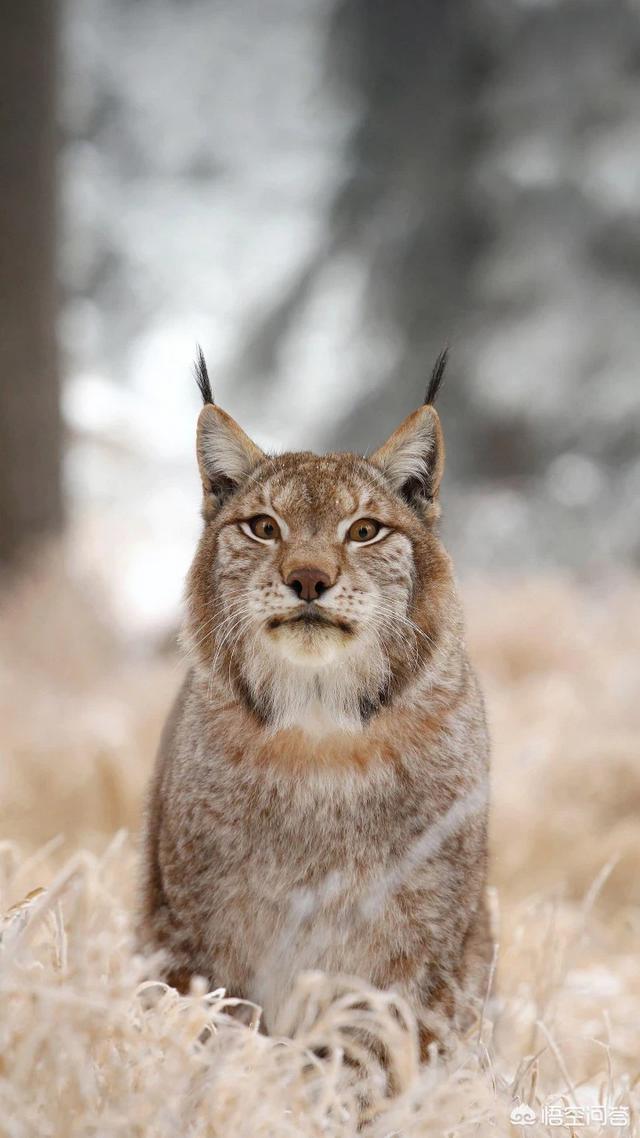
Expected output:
(365, 529)
(264, 527)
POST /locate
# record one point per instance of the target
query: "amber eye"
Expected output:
(265, 527)
(363, 530)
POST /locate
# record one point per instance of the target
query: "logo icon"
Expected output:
(523, 1115)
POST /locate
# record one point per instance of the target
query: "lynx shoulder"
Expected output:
(320, 795)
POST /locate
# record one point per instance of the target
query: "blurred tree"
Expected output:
(407, 205)
(30, 428)
(405, 208)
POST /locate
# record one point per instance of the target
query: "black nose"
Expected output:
(308, 583)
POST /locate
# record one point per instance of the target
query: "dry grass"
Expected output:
(87, 1048)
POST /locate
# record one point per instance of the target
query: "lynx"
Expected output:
(320, 794)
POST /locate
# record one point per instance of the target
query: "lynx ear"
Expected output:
(412, 459)
(226, 456)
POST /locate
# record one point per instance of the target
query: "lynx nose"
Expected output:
(308, 582)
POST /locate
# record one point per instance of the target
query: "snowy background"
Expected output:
(322, 194)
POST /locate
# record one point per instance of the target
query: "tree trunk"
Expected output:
(407, 207)
(30, 428)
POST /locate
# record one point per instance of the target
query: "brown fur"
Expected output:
(320, 795)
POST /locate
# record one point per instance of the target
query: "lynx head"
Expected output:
(319, 587)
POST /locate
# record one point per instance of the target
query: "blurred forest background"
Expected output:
(321, 194)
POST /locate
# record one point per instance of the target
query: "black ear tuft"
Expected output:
(437, 376)
(202, 377)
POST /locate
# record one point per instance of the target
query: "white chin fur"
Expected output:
(315, 682)
(308, 647)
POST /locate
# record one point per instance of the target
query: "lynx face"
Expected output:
(318, 583)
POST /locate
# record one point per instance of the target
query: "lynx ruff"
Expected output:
(320, 794)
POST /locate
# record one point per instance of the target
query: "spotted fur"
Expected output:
(320, 795)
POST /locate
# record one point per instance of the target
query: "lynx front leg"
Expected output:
(445, 1000)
